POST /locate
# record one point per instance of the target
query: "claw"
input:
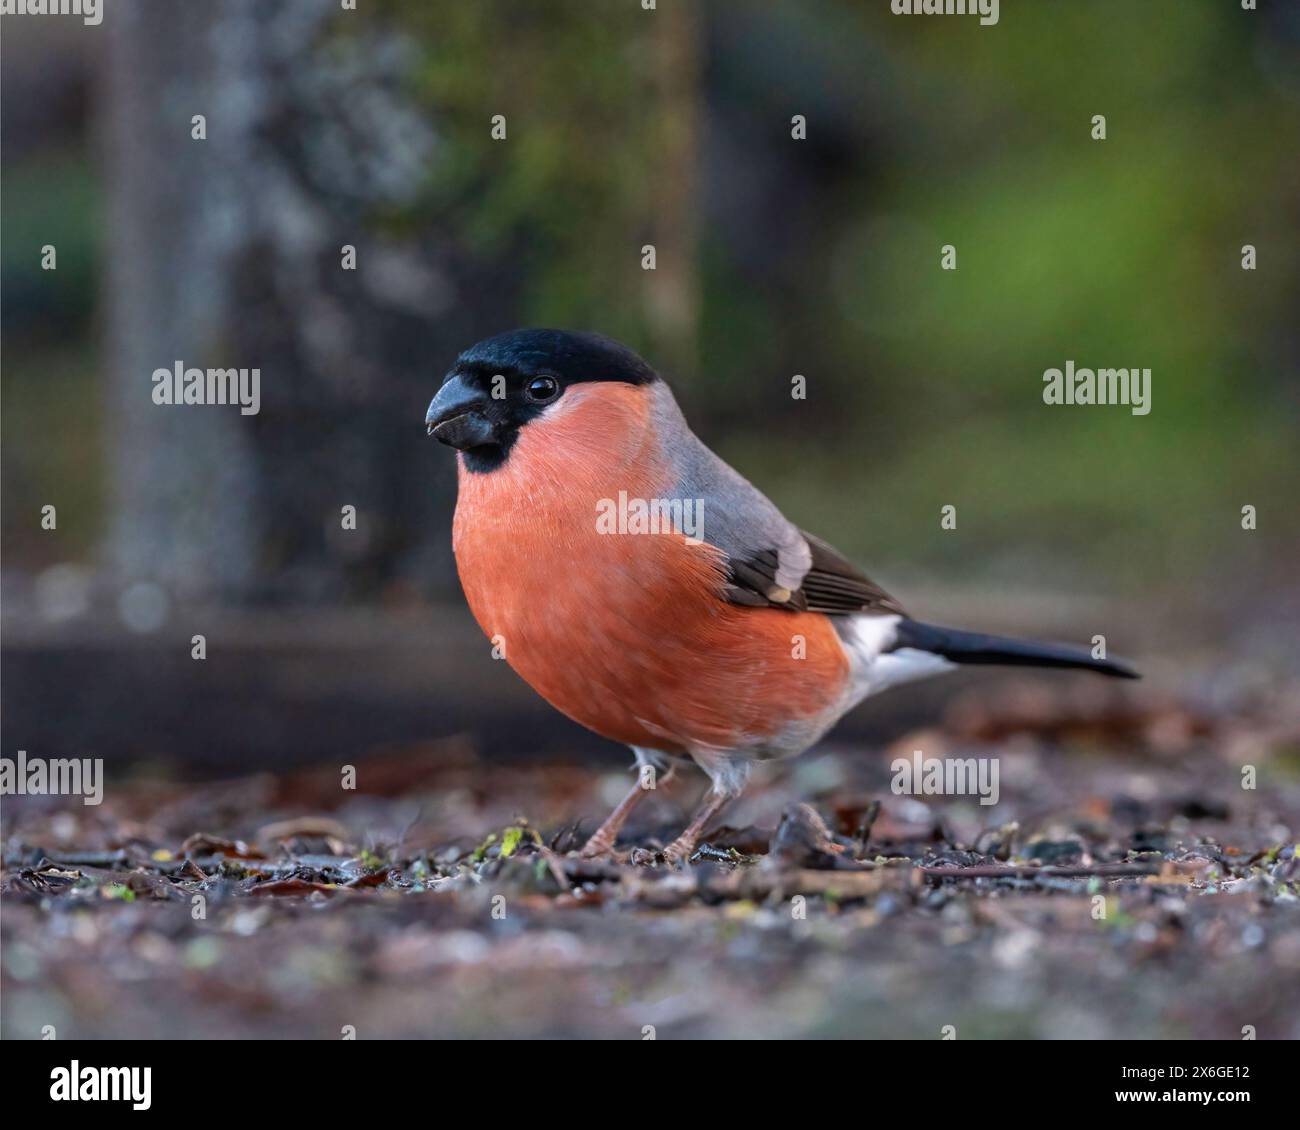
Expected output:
(600, 849)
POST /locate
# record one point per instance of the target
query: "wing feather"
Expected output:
(832, 584)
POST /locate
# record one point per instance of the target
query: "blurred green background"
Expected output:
(775, 257)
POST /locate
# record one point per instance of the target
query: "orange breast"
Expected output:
(628, 633)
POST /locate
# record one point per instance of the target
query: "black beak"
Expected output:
(456, 417)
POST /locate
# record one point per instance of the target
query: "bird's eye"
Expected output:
(542, 389)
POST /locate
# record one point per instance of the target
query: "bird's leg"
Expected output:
(684, 845)
(603, 838)
(602, 841)
(729, 776)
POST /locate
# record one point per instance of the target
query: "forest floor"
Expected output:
(1125, 884)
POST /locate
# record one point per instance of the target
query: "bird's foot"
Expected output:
(679, 851)
(602, 848)
(674, 855)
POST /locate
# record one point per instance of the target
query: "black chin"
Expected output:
(487, 457)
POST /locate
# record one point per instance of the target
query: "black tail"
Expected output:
(973, 647)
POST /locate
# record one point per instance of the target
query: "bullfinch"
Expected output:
(646, 589)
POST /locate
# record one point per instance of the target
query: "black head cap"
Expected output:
(570, 356)
(498, 385)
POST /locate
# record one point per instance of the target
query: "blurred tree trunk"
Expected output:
(182, 480)
(327, 128)
(227, 252)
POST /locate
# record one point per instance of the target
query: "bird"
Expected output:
(728, 639)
